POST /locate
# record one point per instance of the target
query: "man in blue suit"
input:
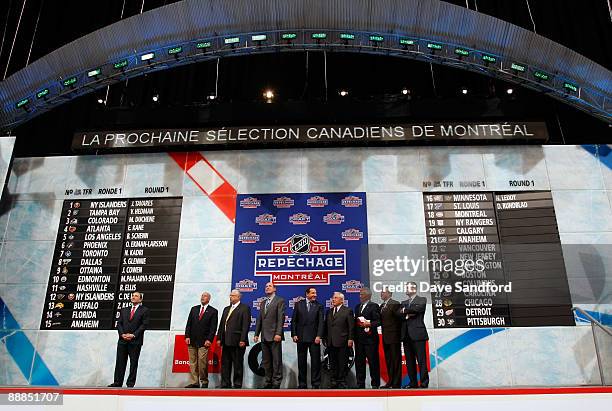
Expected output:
(306, 331)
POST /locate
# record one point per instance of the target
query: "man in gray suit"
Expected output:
(269, 325)
(338, 335)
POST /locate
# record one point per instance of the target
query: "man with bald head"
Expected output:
(338, 337)
(199, 335)
(367, 320)
(233, 338)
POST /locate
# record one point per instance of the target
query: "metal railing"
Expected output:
(595, 323)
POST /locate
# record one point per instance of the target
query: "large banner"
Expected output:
(315, 135)
(300, 240)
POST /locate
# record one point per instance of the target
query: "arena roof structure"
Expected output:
(195, 30)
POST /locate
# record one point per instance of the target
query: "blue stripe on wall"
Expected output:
(601, 152)
(22, 351)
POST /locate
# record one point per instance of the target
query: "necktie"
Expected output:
(228, 316)
(384, 304)
(308, 306)
(201, 313)
(362, 307)
(132, 313)
(267, 304)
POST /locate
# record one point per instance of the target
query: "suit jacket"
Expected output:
(370, 312)
(270, 322)
(136, 326)
(414, 326)
(201, 330)
(339, 328)
(391, 321)
(238, 325)
(306, 325)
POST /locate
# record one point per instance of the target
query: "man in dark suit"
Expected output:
(390, 318)
(233, 338)
(307, 331)
(338, 337)
(131, 325)
(367, 320)
(269, 325)
(199, 335)
(414, 336)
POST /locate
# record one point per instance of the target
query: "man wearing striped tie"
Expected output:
(131, 325)
(233, 338)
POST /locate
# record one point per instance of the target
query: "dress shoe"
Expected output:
(114, 385)
(316, 387)
(266, 387)
(302, 387)
(360, 387)
(375, 387)
(192, 386)
(130, 386)
(424, 385)
(225, 387)
(237, 387)
(204, 386)
(409, 386)
(275, 387)
(387, 386)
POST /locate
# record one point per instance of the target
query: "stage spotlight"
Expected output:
(343, 93)
(464, 91)
(405, 91)
(100, 101)
(268, 95)
(155, 98)
(510, 91)
(147, 57)
(211, 97)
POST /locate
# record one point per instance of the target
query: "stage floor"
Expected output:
(468, 399)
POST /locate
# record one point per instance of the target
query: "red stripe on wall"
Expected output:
(223, 197)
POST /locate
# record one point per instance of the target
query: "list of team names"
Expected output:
(462, 236)
(105, 249)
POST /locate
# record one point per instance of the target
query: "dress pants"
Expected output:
(393, 359)
(315, 364)
(415, 351)
(338, 359)
(123, 352)
(232, 357)
(198, 364)
(369, 352)
(272, 362)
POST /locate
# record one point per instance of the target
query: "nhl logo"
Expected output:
(300, 244)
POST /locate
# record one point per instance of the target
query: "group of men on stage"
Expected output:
(340, 330)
